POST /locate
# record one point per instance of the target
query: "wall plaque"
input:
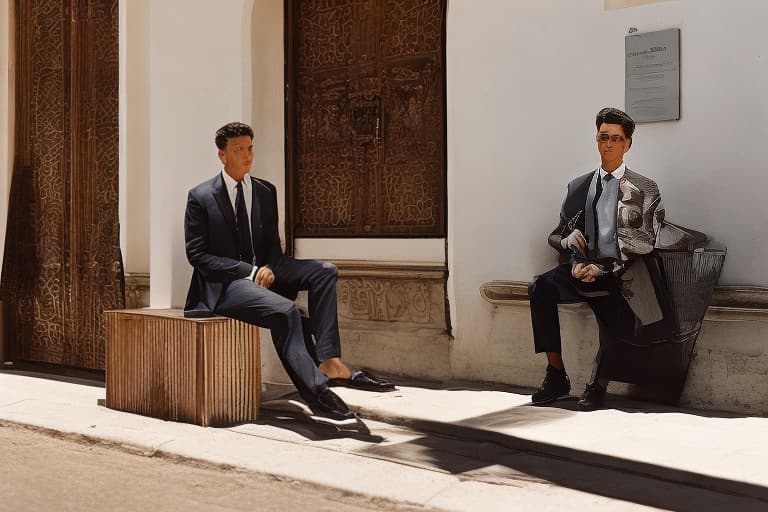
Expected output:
(652, 75)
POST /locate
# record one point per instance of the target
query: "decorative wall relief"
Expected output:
(385, 300)
(136, 291)
(400, 293)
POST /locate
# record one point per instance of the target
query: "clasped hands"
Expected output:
(264, 277)
(586, 273)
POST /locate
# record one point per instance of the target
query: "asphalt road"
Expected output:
(39, 472)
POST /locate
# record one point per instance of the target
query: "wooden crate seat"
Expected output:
(205, 371)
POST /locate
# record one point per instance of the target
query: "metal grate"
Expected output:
(690, 278)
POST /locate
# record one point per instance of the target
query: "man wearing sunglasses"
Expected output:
(606, 222)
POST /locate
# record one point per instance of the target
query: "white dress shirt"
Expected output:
(606, 244)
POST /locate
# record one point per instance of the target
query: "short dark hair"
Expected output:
(231, 130)
(612, 115)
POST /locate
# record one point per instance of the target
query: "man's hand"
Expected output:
(265, 277)
(575, 240)
(585, 273)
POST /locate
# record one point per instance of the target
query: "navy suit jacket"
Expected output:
(211, 240)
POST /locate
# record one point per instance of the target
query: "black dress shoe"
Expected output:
(328, 407)
(361, 379)
(556, 385)
(592, 399)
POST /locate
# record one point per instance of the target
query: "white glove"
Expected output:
(575, 240)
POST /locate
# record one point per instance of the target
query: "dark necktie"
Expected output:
(598, 192)
(599, 188)
(242, 227)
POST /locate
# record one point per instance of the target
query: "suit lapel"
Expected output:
(222, 198)
(625, 183)
(255, 207)
(624, 179)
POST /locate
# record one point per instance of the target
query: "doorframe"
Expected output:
(289, 17)
(289, 92)
(7, 121)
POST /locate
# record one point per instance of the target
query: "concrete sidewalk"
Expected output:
(718, 450)
(453, 449)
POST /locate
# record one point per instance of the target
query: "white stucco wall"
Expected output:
(134, 135)
(187, 68)
(524, 81)
(200, 72)
(266, 94)
(6, 115)
(209, 63)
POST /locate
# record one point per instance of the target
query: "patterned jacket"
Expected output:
(639, 210)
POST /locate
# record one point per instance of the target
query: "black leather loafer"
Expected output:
(361, 379)
(330, 408)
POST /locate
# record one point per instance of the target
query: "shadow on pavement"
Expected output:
(299, 424)
(641, 401)
(488, 462)
(476, 452)
(54, 372)
(474, 449)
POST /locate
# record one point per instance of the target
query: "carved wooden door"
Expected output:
(61, 267)
(366, 118)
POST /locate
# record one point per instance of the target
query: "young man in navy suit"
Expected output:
(607, 222)
(240, 271)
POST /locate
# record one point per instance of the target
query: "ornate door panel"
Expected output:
(61, 267)
(366, 118)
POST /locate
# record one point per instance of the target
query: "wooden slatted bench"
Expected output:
(205, 371)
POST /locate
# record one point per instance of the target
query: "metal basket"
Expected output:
(660, 355)
(690, 278)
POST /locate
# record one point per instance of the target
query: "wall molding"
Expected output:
(505, 292)
(740, 297)
(391, 269)
(736, 299)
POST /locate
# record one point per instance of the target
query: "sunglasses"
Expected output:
(604, 137)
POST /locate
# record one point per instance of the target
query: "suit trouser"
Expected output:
(558, 286)
(276, 310)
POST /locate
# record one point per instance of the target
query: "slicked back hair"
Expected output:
(612, 115)
(232, 130)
